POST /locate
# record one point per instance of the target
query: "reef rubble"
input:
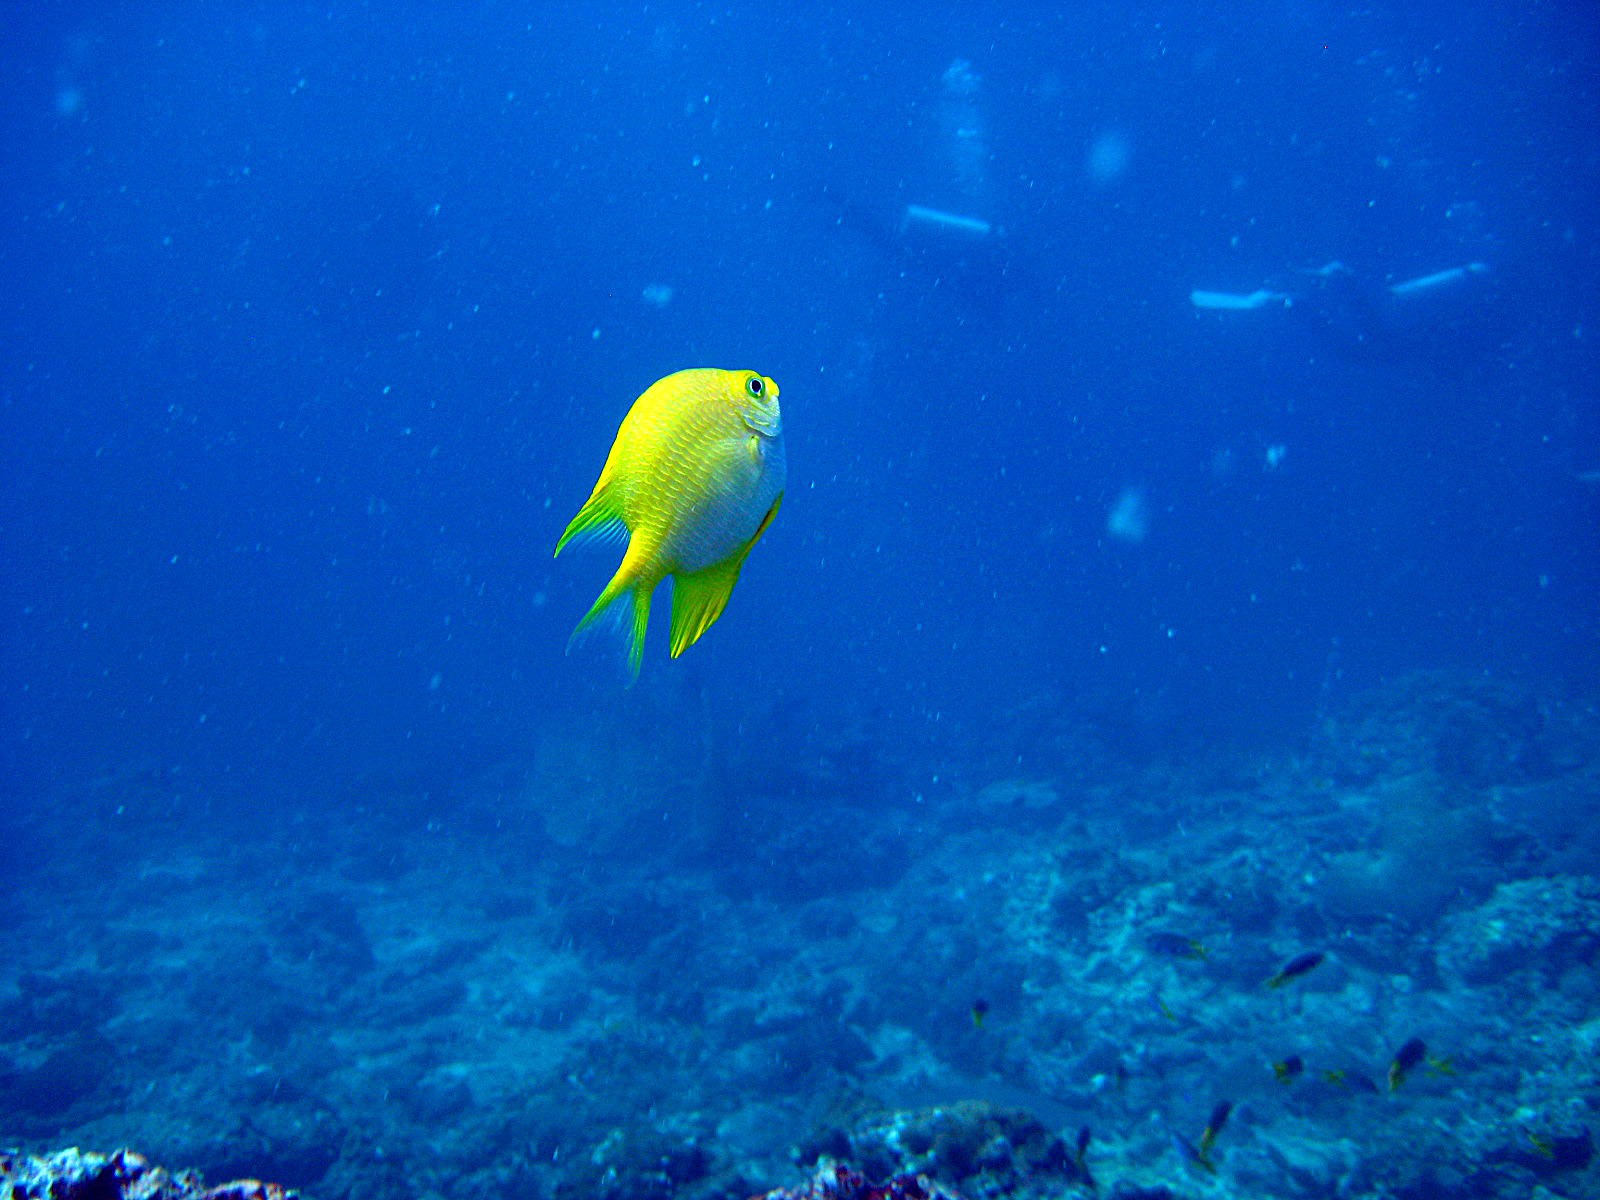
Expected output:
(834, 1182)
(123, 1175)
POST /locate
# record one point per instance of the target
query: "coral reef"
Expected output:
(984, 1149)
(1549, 925)
(846, 961)
(1470, 729)
(833, 1182)
(124, 1175)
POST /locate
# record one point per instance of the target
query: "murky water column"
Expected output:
(965, 136)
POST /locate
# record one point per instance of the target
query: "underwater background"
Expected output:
(1164, 590)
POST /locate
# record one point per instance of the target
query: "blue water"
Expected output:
(318, 320)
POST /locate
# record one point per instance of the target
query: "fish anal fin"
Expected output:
(698, 599)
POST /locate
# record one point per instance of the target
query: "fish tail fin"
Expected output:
(625, 606)
(698, 599)
(598, 520)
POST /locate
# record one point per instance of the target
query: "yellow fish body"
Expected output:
(693, 479)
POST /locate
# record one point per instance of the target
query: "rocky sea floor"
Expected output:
(1037, 968)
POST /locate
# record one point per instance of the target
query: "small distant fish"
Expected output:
(1161, 1007)
(1208, 1136)
(1287, 1069)
(1354, 1080)
(1543, 1146)
(1406, 1059)
(693, 479)
(980, 1010)
(1175, 945)
(1190, 1153)
(1297, 967)
(1566, 1151)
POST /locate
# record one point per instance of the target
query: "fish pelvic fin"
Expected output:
(698, 599)
(625, 606)
(598, 520)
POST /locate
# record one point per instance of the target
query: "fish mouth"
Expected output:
(763, 425)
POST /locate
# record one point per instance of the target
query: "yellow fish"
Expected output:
(693, 480)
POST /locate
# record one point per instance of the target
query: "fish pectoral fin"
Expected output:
(698, 599)
(765, 521)
(598, 520)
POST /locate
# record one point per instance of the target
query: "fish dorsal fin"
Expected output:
(698, 599)
(597, 521)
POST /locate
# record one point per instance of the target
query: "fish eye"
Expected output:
(754, 386)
